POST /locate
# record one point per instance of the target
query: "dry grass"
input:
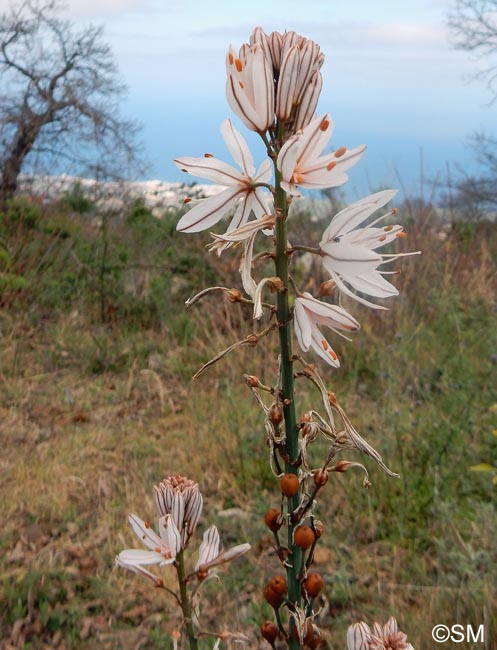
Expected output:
(81, 449)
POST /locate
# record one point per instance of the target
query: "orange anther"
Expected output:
(231, 58)
(324, 125)
(340, 152)
(330, 166)
(298, 178)
(187, 200)
(401, 234)
(388, 228)
(382, 238)
(333, 355)
(157, 549)
(324, 344)
(147, 525)
(238, 65)
(395, 210)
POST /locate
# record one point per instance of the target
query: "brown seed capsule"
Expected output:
(279, 585)
(318, 528)
(275, 413)
(321, 477)
(314, 584)
(289, 484)
(272, 519)
(304, 537)
(269, 631)
(252, 381)
(273, 597)
(313, 639)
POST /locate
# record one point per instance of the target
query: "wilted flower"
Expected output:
(180, 497)
(242, 190)
(209, 557)
(163, 547)
(349, 252)
(310, 314)
(301, 164)
(388, 637)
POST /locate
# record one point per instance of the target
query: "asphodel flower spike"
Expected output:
(350, 253)
(242, 186)
(311, 314)
(301, 164)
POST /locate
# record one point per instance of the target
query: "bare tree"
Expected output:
(59, 97)
(473, 25)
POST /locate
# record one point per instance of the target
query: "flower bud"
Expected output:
(314, 584)
(272, 519)
(289, 484)
(304, 537)
(327, 288)
(321, 477)
(252, 381)
(269, 631)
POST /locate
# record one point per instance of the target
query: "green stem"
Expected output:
(288, 396)
(185, 602)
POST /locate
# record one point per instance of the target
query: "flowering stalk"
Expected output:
(186, 607)
(288, 392)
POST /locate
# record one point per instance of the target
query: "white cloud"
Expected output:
(102, 9)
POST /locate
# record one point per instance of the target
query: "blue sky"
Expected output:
(391, 79)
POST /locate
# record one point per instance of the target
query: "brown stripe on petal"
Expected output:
(240, 108)
(228, 201)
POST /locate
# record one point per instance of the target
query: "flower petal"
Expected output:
(170, 535)
(138, 568)
(212, 169)
(302, 324)
(238, 148)
(144, 533)
(349, 259)
(208, 212)
(373, 284)
(209, 549)
(358, 637)
(356, 213)
(138, 557)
